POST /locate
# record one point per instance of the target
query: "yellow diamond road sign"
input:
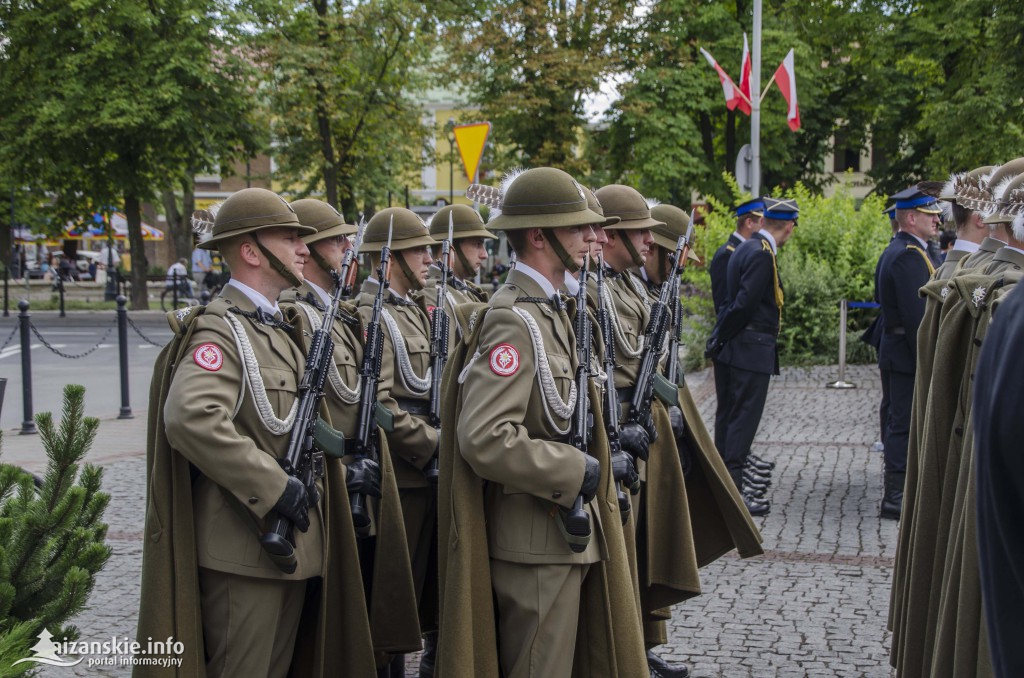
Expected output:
(471, 140)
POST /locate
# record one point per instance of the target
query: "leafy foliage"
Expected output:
(51, 537)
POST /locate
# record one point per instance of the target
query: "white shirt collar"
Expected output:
(572, 285)
(737, 234)
(965, 246)
(545, 284)
(771, 240)
(325, 298)
(255, 297)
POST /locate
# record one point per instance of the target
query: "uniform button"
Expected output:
(413, 458)
(564, 370)
(556, 495)
(253, 500)
(282, 382)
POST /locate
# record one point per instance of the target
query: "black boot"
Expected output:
(429, 656)
(662, 669)
(892, 500)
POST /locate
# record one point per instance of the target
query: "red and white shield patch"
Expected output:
(430, 312)
(504, 360)
(209, 357)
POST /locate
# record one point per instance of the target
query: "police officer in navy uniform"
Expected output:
(748, 222)
(902, 270)
(745, 335)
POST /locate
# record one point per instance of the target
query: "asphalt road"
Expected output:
(98, 371)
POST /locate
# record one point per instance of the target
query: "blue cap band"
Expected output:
(781, 215)
(749, 207)
(914, 203)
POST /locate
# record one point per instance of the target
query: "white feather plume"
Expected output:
(485, 195)
(1018, 227)
(509, 178)
(652, 202)
(202, 221)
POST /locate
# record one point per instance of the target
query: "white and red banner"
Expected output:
(729, 89)
(745, 69)
(785, 78)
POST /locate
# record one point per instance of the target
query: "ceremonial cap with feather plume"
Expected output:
(466, 223)
(247, 211)
(327, 221)
(959, 182)
(1011, 203)
(979, 194)
(409, 231)
(543, 197)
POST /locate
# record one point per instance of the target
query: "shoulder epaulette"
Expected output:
(730, 248)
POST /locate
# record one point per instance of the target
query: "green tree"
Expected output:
(110, 101)
(52, 537)
(530, 64)
(339, 83)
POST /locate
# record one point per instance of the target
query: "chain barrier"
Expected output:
(17, 326)
(139, 332)
(45, 343)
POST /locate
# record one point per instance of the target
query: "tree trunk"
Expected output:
(323, 119)
(140, 266)
(706, 140)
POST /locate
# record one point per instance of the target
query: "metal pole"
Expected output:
(28, 424)
(755, 103)
(175, 293)
(842, 383)
(7, 278)
(60, 290)
(122, 343)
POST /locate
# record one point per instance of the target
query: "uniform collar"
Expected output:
(325, 298)
(922, 243)
(965, 246)
(257, 299)
(533, 274)
(572, 284)
(736, 234)
(376, 283)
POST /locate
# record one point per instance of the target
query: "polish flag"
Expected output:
(744, 104)
(785, 78)
(732, 96)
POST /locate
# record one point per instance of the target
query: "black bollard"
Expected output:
(122, 343)
(204, 297)
(60, 290)
(28, 424)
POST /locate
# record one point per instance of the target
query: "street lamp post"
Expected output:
(110, 291)
(450, 126)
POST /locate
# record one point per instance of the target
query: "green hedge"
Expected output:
(830, 257)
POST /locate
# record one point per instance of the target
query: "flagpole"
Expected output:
(755, 104)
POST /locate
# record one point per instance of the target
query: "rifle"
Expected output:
(367, 442)
(302, 460)
(439, 329)
(672, 362)
(348, 271)
(654, 338)
(611, 399)
(577, 520)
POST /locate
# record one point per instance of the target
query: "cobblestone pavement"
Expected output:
(813, 605)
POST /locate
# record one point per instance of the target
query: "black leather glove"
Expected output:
(591, 478)
(294, 504)
(675, 415)
(362, 476)
(635, 440)
(713, 347)
(623, 471)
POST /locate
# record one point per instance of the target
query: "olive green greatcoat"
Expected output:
(948, 266)
(392, 599)
(943, 341)
(961, 646)
(334, 636)
(609, 638)
(412, 440)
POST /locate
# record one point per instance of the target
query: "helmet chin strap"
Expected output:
(567, 261)
(321, 261)
(637, 259)
(462, 258)
(414, 282)
(277, 264)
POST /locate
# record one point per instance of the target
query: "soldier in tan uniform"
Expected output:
(404, 391)
(468, 237)
(384, 555)
(512, 394)
(224, 405)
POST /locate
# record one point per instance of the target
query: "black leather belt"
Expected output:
(895, 330)
(414, 406)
